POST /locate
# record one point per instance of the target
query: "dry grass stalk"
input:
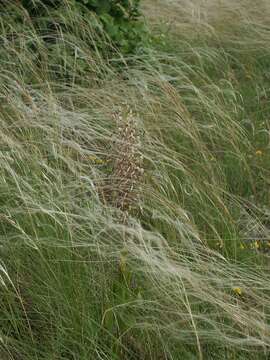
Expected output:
(121, 190)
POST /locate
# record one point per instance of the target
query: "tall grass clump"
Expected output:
(134, 203)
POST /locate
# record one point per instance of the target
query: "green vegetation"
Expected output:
(134, 190)
(121, 20)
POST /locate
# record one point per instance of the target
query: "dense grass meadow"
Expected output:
(134, 188)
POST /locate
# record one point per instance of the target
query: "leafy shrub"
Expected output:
(121, 19)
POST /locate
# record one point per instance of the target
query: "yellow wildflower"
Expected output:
(96, 160)
(237, 291)
(256, 244)
(258, 152)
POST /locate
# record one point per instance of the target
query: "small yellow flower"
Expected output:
(256, 244)
(258, 153)
(237, 291)
(95, 160)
